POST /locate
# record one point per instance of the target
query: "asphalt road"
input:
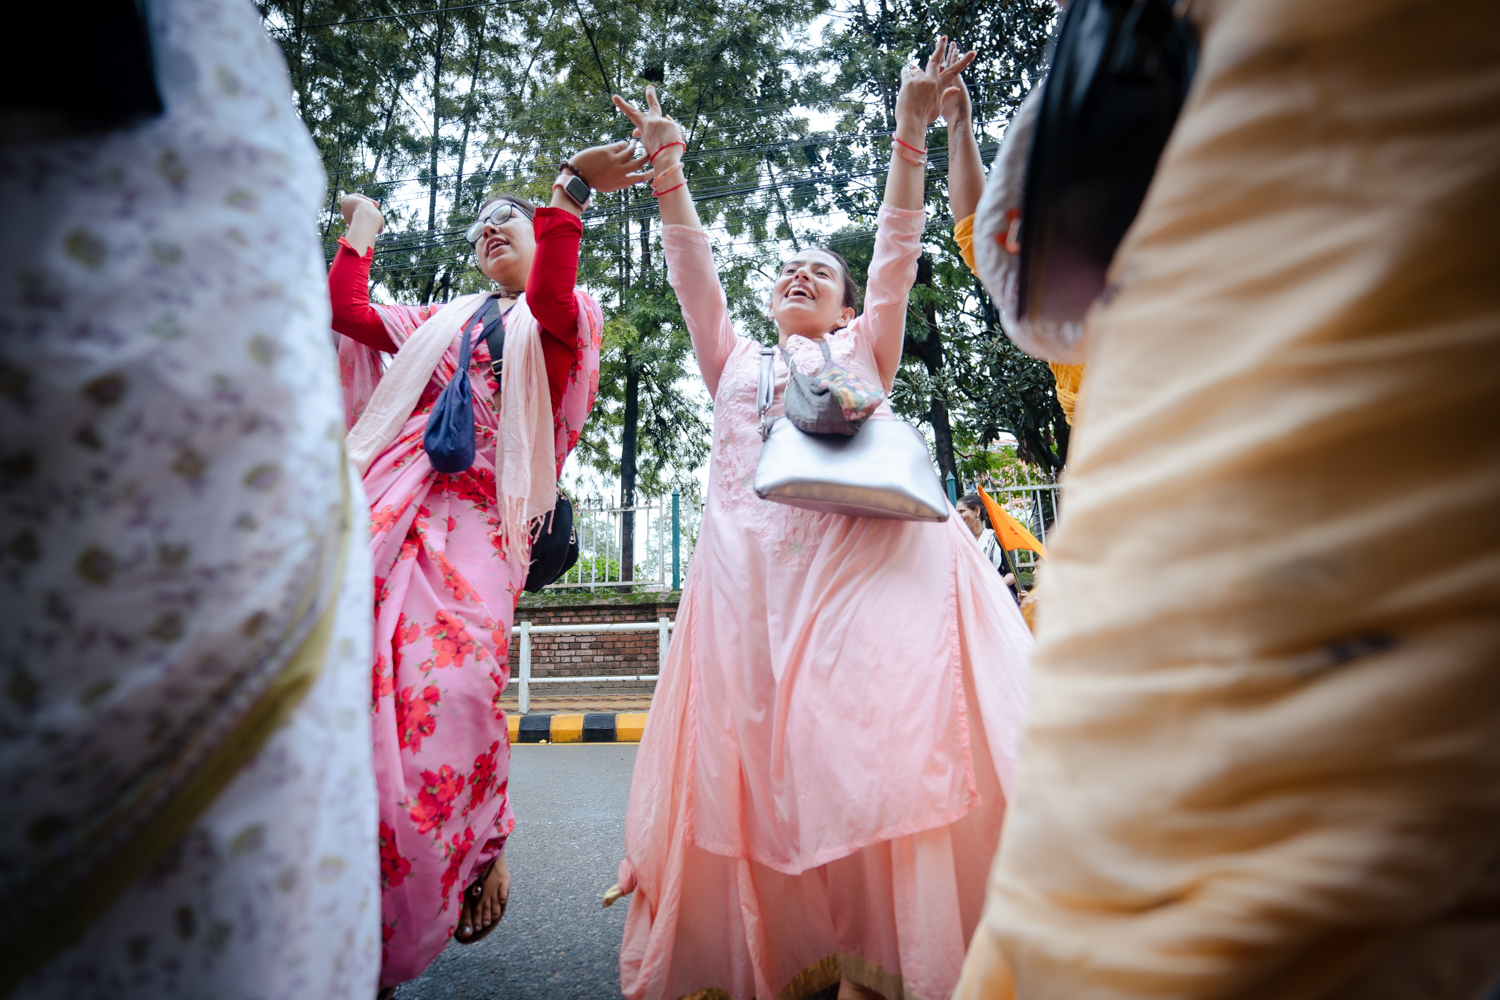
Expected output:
(556, 942)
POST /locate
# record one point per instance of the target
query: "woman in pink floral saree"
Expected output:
(451, 551)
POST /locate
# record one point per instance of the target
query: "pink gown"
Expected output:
(820, 788)
(445, 600)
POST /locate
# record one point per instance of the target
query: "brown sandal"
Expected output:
(472, 895)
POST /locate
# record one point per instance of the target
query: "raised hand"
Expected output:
(665, 143)
(654, 129)
(920, 98)
(612, 166)
(362, 221)
(965, 166)
(352, 203)
(955, 104)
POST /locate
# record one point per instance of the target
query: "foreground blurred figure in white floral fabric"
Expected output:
(185, 583)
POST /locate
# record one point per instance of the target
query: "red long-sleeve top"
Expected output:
(549, 295)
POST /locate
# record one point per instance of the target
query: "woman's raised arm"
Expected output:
(690, 260)
(349, 275)
(965, 165)
(899, 234)
(665, 143)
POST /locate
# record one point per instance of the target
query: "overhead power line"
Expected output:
(531, 148)
(392, 17)
(641, 209)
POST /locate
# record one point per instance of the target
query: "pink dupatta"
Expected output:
(525, 473)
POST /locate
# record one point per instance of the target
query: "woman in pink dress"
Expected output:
(451, 551)
(820, 788)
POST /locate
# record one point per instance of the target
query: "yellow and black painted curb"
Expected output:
(577, 727)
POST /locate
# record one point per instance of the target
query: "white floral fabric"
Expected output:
(170, 503)
(274, 894)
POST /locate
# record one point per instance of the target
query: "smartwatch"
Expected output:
(576, 188)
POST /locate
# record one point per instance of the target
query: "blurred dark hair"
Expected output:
(524, 204)
(851, 293)
(975, 502)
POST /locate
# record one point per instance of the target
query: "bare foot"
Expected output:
(850, 990)
(482, 911)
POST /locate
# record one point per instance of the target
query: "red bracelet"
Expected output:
(669, 190)
(905, 153)
(907, 145)
(652, 158)
(657, 178)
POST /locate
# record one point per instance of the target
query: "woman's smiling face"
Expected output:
(808, 296)
(505, 251)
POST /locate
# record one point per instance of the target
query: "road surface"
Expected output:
(556, 942)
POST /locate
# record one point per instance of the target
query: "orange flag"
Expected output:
(1011, 533)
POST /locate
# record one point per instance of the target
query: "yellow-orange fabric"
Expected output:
(1011, 533)
(1067, 377)
(1261, 762)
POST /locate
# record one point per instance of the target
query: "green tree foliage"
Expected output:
(960, 375)
(430, 105)
(726, 70)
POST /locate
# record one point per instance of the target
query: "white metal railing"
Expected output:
(662, 627)
(663, 533)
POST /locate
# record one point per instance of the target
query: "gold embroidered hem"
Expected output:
(829, 971)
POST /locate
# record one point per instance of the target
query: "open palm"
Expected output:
(652, 127)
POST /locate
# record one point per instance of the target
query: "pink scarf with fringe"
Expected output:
(525, 469)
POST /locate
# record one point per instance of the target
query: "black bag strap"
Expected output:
(463, 358)
(494, 336)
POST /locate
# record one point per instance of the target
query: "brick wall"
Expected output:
(591, 655)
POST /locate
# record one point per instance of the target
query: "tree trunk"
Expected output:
(930, 353)
(385, 133)
(437, 122)
(332, 211)
(299, 65)
(627, 477)
(463, 145)
(786, 219)
(631, 424)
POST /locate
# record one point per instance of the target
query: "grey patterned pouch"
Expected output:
(829, 401)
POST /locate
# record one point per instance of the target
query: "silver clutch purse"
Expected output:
(881, 470)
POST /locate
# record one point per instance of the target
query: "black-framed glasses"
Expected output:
(497, 214)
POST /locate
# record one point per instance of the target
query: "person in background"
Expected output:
(451, 551)
(1275, 771)
(966, 179)
(971, 509)
(185, 587)
(821, 784)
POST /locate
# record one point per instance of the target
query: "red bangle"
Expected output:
(904, 151)
(907, 145)
(669, 190)
(652, 158)
(667, 172)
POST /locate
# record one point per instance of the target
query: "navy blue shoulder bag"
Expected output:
(449, 443)
(449, 438)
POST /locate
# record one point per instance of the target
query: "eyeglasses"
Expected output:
(497, 214)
